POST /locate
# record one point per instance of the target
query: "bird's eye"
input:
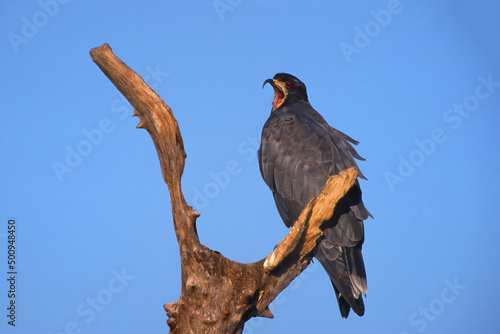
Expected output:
(289, 84)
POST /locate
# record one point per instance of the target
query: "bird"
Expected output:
(298, 152)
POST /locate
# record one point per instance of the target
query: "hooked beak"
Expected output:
(280, 92)
(269, 81)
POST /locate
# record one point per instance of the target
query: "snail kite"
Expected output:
(299, 151)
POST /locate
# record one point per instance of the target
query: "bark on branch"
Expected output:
(218, 295)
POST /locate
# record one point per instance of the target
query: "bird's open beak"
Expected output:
(280, 92)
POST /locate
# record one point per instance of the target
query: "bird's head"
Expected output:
(287, 89)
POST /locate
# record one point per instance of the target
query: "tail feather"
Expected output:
(348, 277)
(356, 269)
(344, 306)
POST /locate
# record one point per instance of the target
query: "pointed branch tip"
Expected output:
(266, 314)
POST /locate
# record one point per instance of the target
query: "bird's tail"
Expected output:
(346, 270)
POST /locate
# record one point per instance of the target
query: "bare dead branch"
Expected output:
(218, 295)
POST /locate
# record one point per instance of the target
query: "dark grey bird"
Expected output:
(299, 151)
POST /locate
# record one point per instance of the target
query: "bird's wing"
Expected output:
(295, 162)
(298, 154)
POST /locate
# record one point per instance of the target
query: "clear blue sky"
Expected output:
(416, 82)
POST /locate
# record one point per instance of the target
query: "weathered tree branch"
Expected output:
(218, 295)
